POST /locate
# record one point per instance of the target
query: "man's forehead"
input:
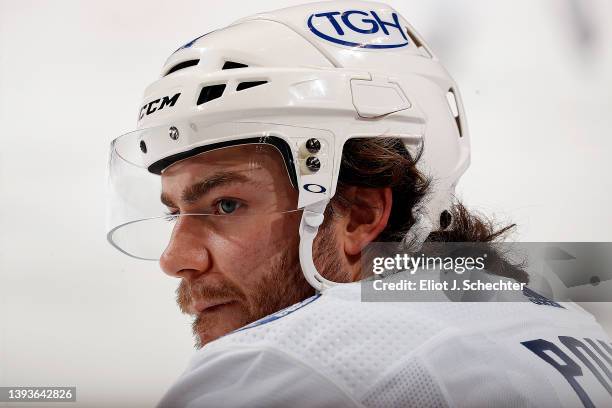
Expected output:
(256, 165)
(192, 191)
(236, 158)
(186, 172)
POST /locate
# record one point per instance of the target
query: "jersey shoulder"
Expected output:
(395, 353)
(356, 345)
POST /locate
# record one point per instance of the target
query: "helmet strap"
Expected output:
(418, 233)
(312, 218)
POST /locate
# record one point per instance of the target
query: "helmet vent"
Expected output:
(416, 41)
(251, 84)
(452, 104)
(233, 65)
(183, 65)
(208, 93)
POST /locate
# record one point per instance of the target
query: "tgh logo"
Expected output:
(357, 28)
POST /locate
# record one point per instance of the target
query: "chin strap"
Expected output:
(418, 233)
(312, 218)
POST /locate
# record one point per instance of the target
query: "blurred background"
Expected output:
(536, 78)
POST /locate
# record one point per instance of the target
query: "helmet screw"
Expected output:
(445, 219)
(173, 132)
(313, 145)
(143, 146)
(313, 164)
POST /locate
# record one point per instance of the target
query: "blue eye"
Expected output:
(225, 206)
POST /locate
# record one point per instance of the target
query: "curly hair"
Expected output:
(386, 162)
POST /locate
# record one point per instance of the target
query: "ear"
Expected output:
(366, 218)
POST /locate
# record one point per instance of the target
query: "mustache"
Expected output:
(187, 291)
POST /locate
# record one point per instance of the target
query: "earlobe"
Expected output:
(366, 218)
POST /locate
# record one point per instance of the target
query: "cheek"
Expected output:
(246, 255)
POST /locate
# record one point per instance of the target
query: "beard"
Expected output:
(282, 286)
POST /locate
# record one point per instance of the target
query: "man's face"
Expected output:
(240, 262)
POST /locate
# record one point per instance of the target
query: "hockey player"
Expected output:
(268, 155)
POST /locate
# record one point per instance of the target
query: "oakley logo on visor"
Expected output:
(356, 28)
(315, 188)
(158, 104)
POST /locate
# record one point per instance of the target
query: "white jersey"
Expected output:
(334, 350)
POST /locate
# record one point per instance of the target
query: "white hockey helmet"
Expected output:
(304, 79)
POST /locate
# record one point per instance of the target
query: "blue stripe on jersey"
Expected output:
(281, 313)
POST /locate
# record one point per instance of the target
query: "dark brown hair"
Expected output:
(386, 162)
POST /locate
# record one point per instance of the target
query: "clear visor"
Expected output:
(222, 192)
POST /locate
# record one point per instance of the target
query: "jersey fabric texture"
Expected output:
(336, 351)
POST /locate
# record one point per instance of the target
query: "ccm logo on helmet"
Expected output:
(151, 107)
(356, 28)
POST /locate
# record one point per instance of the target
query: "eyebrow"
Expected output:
(193, 193)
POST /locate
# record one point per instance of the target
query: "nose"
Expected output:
(186, 255)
